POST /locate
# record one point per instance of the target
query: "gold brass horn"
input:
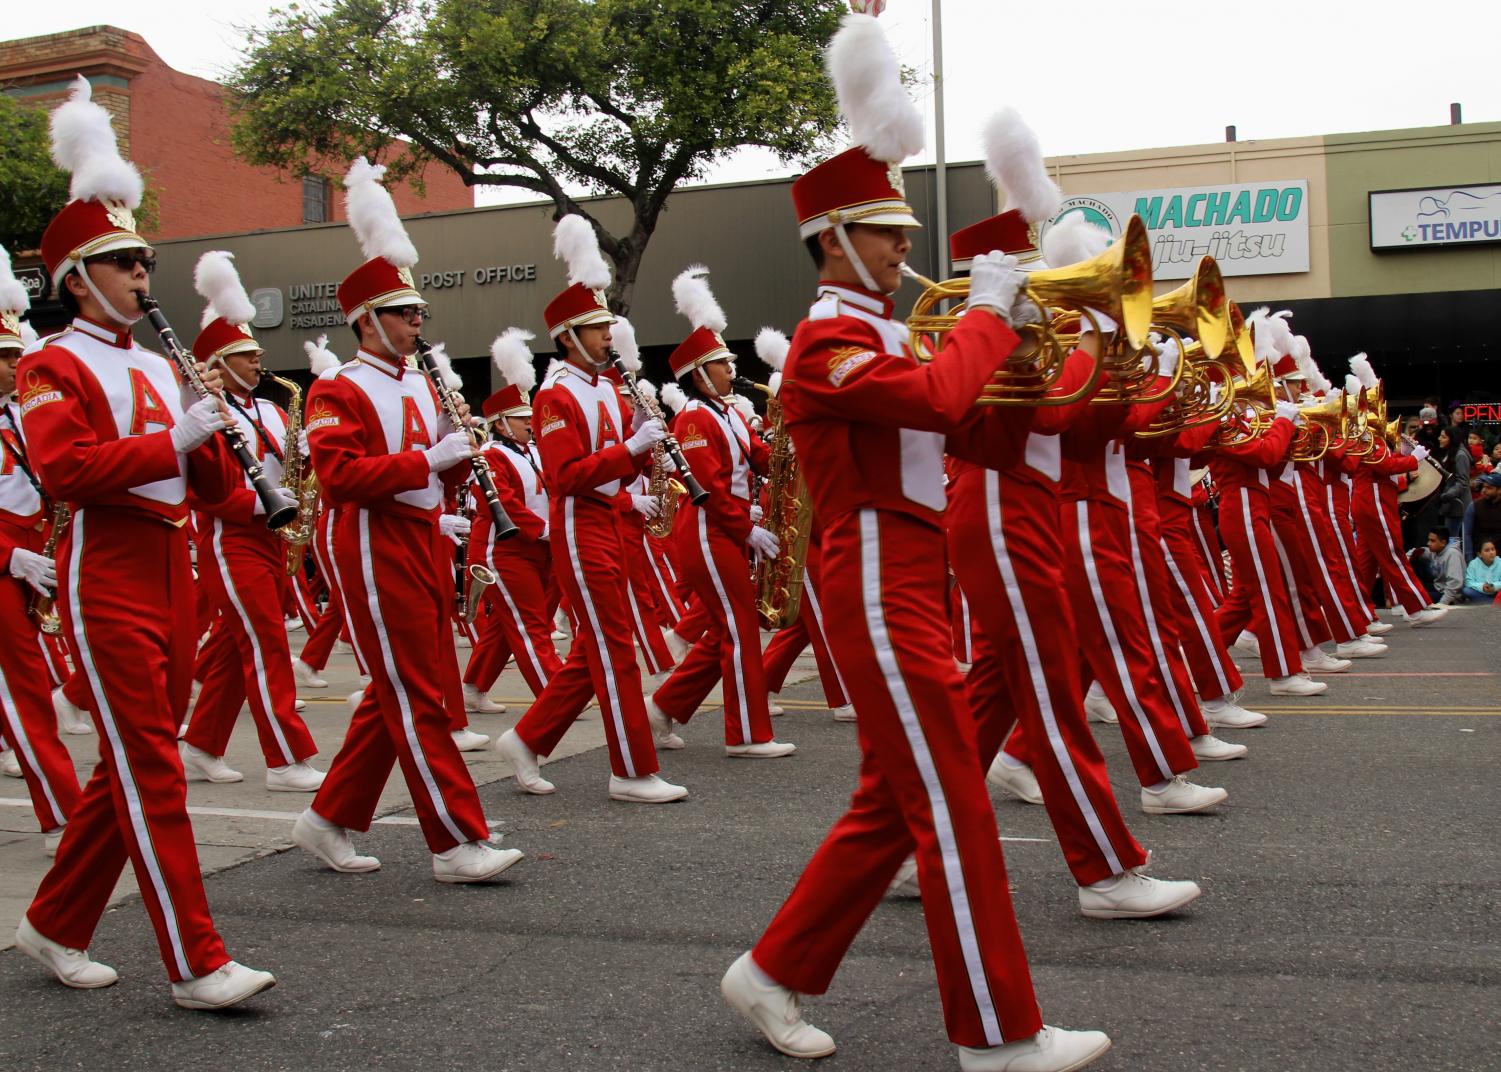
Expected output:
(1197, 308)
(1116, 282)
(1240, 337)
(1205, 394)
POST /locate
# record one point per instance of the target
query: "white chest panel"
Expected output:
(408, 417)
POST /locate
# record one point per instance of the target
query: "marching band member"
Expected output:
(241, 565)
(587, 456)
(712, 541)
(1336, 469)
(1207, 545)
(384, 451)
(27, 718)
(657, 565)
(869, 423)
(110, 433)
(525, 594)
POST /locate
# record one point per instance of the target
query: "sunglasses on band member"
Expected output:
(412, 314)
(126, 259)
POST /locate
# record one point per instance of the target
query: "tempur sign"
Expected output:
(1435, 216)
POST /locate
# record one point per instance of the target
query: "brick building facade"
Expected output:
(175, 127)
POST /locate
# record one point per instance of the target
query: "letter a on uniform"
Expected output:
(414, 434)
(607, 433)
(147, 407)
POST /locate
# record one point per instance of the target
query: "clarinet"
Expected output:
(505, 528)
(696, 492)
(278, 512)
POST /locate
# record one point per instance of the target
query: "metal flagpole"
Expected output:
(940, 175)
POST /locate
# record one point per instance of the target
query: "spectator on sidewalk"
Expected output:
(1440, 567)
(1454, 496)
(1483, 576)
(1483, 518)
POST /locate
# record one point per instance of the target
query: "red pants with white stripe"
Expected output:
(320, 641)
(55, 656)
(240, 572)
(26, 712)
(1340, 552)
(1100, 576)
(1258, 598)
(1378, 548)
(807, 629)
(1214, 673)
(1003, 547)
(960, 623)
(589, 560)
(695, 618)
(134, 645)
(730, 649)
(1207, 546)
(921, 788)
(1320, 601)
(648, 619)
(399, 609)
(663, 576)
(517, 619)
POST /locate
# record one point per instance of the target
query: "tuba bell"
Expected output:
(1198, 308)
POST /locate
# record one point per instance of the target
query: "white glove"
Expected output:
(762, 543)
(646, 505)
(756, 513)
(287, 496)
(1164, 359)
(198, 422)
(1103, 323)
(995, 282)
(453, 526)
(1420, 452)
(449, 451)
(1289, 410)
(647, 436)
(39, 571)
(302, 444)
(638, 418)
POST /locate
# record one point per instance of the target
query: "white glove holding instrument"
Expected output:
(302, 444)
(646, 505)
(287, 496)
(647, 436)
(39, 571)
(449, 451)
(1289, 410)
(453, 526)
(756, 513)
(995, 283)
(198, 424)
(763, 543)
(1420, 452)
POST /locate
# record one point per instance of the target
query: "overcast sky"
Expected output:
(1103, 76)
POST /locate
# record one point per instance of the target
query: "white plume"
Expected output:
(1258, 323)
(29, 337)
(513, 358)
(1073, 239)
(450, 378)
(647, 389)
(373, 215)
(13, 297)
(1360, 364)
(320, 358)
(774, 384)
(1352, 385)
(1303, 355)
(694, 299)
(576, 245)
(1279, 335)
(218, 283)
(83, 144)
(623, 338)
(772, 347)
(1013, 160)
(673, 397)
(868, 83)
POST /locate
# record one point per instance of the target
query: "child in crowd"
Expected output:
(1440, 567)
(1483, 576)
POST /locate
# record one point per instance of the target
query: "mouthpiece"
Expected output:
(916, 276)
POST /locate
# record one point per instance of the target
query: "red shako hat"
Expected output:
(384, 281)
(694, 299)
(583, 300)
(513, 360)
(229, 309)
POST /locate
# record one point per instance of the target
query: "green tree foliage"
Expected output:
(32, 187)
(620, 97)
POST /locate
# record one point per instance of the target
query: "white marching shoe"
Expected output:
(1209, 748)
(1099, 709)
(299, 705)
(1318, 661)
(294, 778)
(71, 966)
(293, 623)
(663, 730)
(524, 762)
(772, 707)
(1426, 616)
(845, 713)
(774, 1010)
(676, 644)
(476, 702)
(330, 844)
(306, 676)
(1225, 713)
(760, 750)
(1359, 649)
(1247, 644)
(647, 790)
(1179, 796)
(69, 718)
(1296, 685)
(466, 740)
(474, 861)
(10, 766)
(1379, 628)
(199, 766)
(354, 700)
(51, 840)
(904, 882)
(1131, 895)
(221, 988)
(1050, 1050)
(1019, 780)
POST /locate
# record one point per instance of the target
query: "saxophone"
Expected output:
(299, 479)
(789, 517)
(44, 608)
(665, 488)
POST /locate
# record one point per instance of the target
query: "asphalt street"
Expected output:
(1349, 920)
